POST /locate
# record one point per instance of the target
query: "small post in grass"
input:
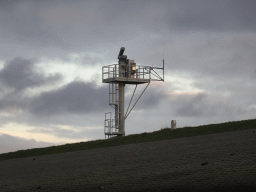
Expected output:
(173, 124)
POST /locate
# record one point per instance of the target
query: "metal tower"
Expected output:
(117, 75)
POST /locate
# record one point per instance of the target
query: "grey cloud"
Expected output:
(19, 74)
(205, 105)
(75, 25)
(241, 62)
(215, 15)
(55, 28)
(150, 99)
(40, 130)
(21, 22)
(49, 26)
(77, 104)
(7, 6)
(193, 106)
(76, 97)
(219, 58)
(83, 59)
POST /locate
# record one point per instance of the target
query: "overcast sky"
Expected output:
(52, 53)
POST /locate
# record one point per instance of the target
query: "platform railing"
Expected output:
(112, 71)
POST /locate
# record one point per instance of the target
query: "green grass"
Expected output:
(162, 134)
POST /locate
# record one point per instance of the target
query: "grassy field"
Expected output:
(162, 134)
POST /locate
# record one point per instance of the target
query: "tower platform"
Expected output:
(127, 74)
(125, 80)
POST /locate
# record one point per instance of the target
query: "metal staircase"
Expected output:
(110, 124)
(113, 95)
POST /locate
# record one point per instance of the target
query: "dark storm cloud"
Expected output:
(75, 97)
(20, 74)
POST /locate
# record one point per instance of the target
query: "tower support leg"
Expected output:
(121, 109)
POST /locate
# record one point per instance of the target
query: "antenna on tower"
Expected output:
(163, 62)
(118, 75)
(163, 69)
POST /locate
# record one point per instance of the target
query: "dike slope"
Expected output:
(223, 161)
